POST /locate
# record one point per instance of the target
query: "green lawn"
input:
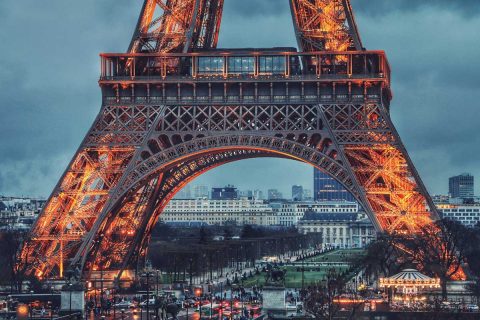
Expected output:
(313, 274)
(294, 277)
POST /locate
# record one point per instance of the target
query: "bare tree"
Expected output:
(320, 299)
(10, 244)
(381, 256)
(440, 250)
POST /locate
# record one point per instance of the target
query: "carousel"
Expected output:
(409, 285)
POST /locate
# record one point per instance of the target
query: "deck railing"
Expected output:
(252, 66)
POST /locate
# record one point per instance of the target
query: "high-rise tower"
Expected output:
(461, 186)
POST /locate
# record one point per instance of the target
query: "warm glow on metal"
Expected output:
(155, 133)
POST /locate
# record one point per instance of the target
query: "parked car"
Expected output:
(472, 308)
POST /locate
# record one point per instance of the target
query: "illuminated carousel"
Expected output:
(409, 285)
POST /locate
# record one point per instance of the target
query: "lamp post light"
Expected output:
(147, 275)
(113, 302)
(70, 302)
(101, 288)
(51, 303)
(157, 282)
(231, 302)
(31, 304)
(148, 295)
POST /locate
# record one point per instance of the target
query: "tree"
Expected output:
(204, 236)
(440, 250)
(381, 256)
(320, 299)
(473, 261)
(250, 231)
(10, 244)
(227, 233)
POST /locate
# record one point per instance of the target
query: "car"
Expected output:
(124, 304)
(472, 308)
(150, 303)
(189, 303)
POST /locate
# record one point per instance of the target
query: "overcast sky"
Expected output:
(49, 94)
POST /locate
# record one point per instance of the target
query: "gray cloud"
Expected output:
(259, 8)
(49, 68)
(466, 8)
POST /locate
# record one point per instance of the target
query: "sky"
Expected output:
(49, 95)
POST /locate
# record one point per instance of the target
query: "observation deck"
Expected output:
(244, 76)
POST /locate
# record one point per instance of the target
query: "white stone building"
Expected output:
(339, 229)
(466, 214)
(290, 213)
(218, 212)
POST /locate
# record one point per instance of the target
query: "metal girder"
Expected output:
(325, 25)
(180, 26)
(136, 156)
(185, 25)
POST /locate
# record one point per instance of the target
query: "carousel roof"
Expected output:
(409, 274)
(409, 277)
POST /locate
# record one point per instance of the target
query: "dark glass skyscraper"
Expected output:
(461, 186)
(297, 193)
(325, 188)
(226, 193)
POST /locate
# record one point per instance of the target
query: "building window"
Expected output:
(243, 65)
(272, 65)
(210, 65)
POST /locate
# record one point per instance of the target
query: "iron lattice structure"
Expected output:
(175, 107)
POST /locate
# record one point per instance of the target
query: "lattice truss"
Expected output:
(74, 206)
(295, 130)
(185, 25)
(177, 25)
(123, 238)
(188, 141)
(381, 168)
(325, 25)
(390, 186)
(81, 194)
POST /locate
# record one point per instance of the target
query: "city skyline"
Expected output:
(35, 154)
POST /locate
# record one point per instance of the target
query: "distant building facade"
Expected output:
(274, 194)
(325, 188)
(245, 194)
(184, 193)
(226, 193)
(258, 194)
(297, 193)
(339, 229)
(440, 199)
(307, 195)
(201, 191)
(290, 213)
(461, 186)
(468, 215)
(19, 214)
(220, 212)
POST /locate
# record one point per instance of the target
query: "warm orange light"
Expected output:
(22, 311)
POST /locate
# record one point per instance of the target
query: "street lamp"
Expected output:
(147, 275)
(51, 303)
(31, 304)
(70, 303)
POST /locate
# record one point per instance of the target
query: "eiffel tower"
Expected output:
(174, 106)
